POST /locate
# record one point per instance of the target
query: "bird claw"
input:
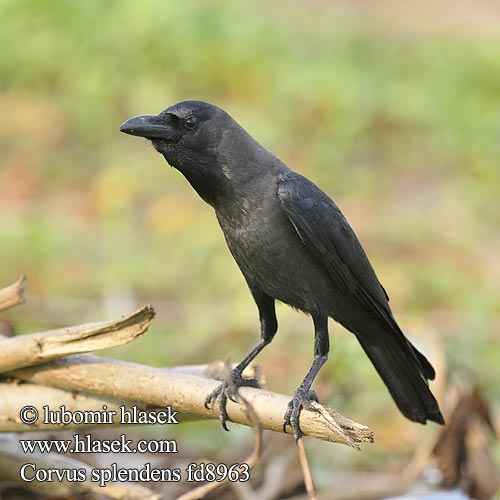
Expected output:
(301, 399)
(229, 390)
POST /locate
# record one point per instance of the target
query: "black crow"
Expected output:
(293, 244)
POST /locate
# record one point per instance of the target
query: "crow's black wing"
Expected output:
(328, 236)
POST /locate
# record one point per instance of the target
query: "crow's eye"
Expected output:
(190, 122)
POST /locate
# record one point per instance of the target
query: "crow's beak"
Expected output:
(150, 127)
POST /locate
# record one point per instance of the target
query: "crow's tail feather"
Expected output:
(405, 372)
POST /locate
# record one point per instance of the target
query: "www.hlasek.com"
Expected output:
(194, 472)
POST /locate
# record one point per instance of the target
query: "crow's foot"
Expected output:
(301, 399)
(228, 389)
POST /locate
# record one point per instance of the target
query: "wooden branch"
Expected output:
(185, 393)
(36, 348)
(12, 460)
(16, 396)
(12, 295)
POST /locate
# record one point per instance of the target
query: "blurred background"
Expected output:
(390, 107)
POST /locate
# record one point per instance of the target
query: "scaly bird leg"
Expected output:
(303, 395)
(228, 388)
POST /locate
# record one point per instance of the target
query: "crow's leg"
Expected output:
(227, 389)
(303, 395)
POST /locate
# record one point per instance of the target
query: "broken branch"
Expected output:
(12, 295)
(36, 348)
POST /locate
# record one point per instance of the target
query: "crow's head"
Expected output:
(189, 136)
(184, 130)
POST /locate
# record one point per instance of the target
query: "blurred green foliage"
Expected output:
(402, 130)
